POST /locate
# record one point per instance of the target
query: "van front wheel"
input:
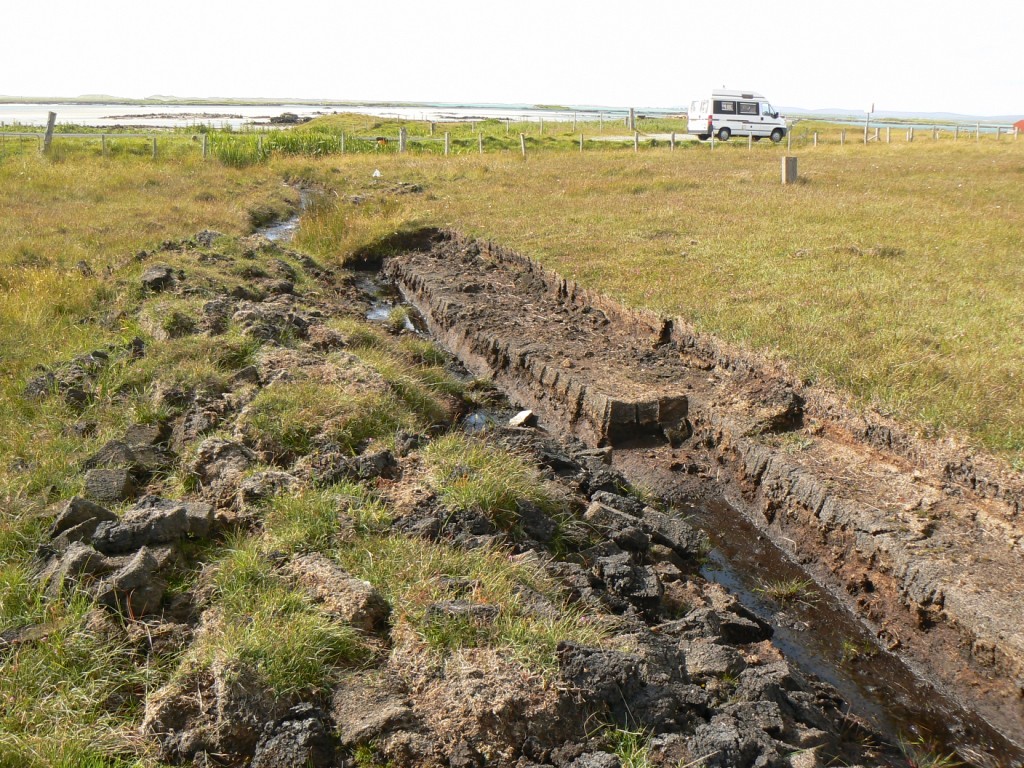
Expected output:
(777, 135)
(724, 134)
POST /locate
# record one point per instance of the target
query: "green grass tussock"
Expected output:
(72, 697)
(470, 474)
(260, 622)
(313, 519)
(414, 574)
(285, 419)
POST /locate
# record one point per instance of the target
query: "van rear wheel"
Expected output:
(724, 134)
(777, 135)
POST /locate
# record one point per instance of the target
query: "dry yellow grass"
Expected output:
(892, 272)
(57, 214)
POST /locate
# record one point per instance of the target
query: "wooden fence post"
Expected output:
(402, 137)
(508, 125)
(581, 143)
(636, 141)
(447, 143)
(977, 131)
(956, 133)
(432, 126)
(154, 147)
(480, 141)
(750, 142)
(888, 134)
(522, 143)
(672, 141)
(103, 145)
(574, 122)
(51, 120)
(789, 140)
(999, 132)
(341, 142)
(842, 138)
(815, 138)
(632, 119)
(935, 133)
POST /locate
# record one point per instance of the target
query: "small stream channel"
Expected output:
(813, 630)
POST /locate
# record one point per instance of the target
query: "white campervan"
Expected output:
(735, 113)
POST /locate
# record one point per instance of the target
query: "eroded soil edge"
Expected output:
(923, 541)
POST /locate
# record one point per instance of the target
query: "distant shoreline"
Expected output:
(844, 115)
(197, 101)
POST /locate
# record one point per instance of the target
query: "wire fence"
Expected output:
(251, 147)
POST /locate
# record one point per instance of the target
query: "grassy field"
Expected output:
(891, 271)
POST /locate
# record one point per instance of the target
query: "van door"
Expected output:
(749, 115)
(769, 118)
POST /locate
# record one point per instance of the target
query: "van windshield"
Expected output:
(766, 109)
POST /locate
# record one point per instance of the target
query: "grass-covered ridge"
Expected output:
(222, 353)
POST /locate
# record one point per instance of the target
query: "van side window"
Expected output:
(726, 106)
(748, 107)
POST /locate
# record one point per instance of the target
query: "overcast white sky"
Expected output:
(907, 56)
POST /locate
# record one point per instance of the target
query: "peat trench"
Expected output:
(915, 550)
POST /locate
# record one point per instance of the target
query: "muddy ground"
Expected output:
(922, 540)
(684, 669)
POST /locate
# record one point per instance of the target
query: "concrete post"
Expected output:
(789, 173)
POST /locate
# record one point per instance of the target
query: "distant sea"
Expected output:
(236, 116)
(177, 115)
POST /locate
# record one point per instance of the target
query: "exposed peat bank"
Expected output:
(908, 555)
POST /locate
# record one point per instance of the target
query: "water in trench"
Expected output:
(822, 638)
(386, 305)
